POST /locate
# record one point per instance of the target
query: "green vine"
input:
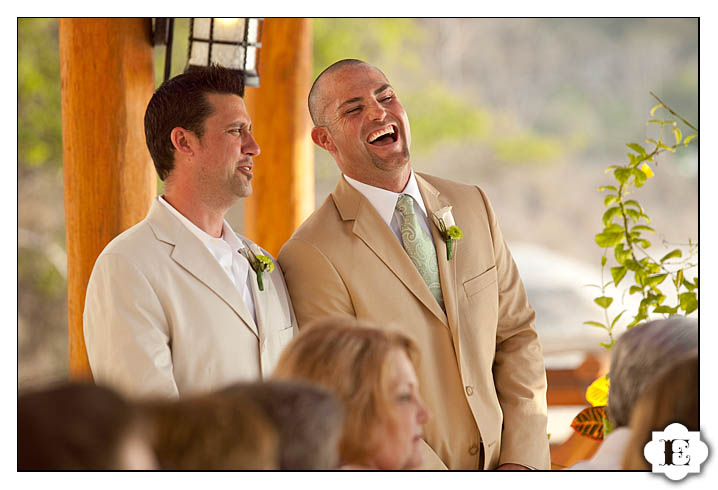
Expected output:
(625, 222)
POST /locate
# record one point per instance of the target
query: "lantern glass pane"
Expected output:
(201, 28)
(251, 64)
(199, 54)
(226, 29)
(228, 55)
(252, 30)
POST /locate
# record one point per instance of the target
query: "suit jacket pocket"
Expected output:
(479, 283)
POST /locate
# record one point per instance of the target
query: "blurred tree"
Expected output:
(38, 81)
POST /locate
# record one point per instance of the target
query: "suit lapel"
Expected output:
(373, 231)
(447, 269)
(266, 303)
(191, 254)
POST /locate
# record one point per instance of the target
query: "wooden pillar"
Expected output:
(283, 183)
(107, 79)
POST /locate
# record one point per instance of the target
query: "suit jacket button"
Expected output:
(469, 390)
(473, 449)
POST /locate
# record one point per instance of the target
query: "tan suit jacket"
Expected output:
(162, 318)
(481, 364)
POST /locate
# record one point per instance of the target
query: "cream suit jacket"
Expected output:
(162, 318)
(481, 366)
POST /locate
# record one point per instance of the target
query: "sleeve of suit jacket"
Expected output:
(306, 271)
(519, 373)
(126, 331)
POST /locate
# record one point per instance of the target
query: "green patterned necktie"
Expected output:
(419, 246)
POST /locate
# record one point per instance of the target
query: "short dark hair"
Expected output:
(73, 426)
(182, 102)
(314, 99)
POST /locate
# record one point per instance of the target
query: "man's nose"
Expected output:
(376, 111)
(250, 146)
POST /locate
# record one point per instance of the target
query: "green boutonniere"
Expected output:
(259, 262)
(449, 231)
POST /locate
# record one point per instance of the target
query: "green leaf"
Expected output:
(639, 176)
(689, 138)
(609, 214)
(688, 285)
(608, 239)
(688, 302)
(633, 214)
(653, 281)
(666, 309)
(622, 174)
(633, 202)
(651, 140)
(622, 253)
(603, 301)
(613, 323)
(671, 254)
(677, 134)
(608, 346)
(637, 148)
(603, 260)
(644, 243)
(617, 273)
(607, 187)
(643, 228)
(653, 109)
(635, 289)
(666, 147)
(595, 324)
(610, 199)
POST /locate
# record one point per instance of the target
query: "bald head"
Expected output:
(317, 96)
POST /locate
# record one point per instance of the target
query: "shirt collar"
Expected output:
(228, 234)
(384, 201)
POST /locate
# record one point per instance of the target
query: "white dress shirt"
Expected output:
(226, 251)
(384, 202)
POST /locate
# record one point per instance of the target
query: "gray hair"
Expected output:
(640, 354)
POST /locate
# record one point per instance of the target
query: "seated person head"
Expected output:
(78, 426)
(308, 419)
(211, 432)
(639, 354)
(373, 373)
(671, 398)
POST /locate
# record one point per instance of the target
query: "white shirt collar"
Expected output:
(228, 234)
(384, 201)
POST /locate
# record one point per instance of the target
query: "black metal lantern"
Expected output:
(233, 43)
(230, 42)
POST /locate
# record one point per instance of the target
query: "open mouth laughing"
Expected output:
(383, 136)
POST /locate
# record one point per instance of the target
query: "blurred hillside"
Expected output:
(532, 110)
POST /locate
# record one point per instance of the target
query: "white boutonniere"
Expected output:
(260, 263)
(449, 231)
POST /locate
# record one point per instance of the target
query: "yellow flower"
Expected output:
(646, 169)
(454, 232)
(265, 263)
(597, 393)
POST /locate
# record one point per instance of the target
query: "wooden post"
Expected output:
(107, 79)
(283, 183)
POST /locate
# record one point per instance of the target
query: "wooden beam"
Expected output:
(106, 74)
(283, 180)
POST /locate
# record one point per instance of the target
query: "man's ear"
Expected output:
(321, 138)
(184, 141)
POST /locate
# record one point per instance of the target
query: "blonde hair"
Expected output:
(352, 360)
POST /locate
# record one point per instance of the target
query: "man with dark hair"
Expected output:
(179, 303)
(386, 247)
